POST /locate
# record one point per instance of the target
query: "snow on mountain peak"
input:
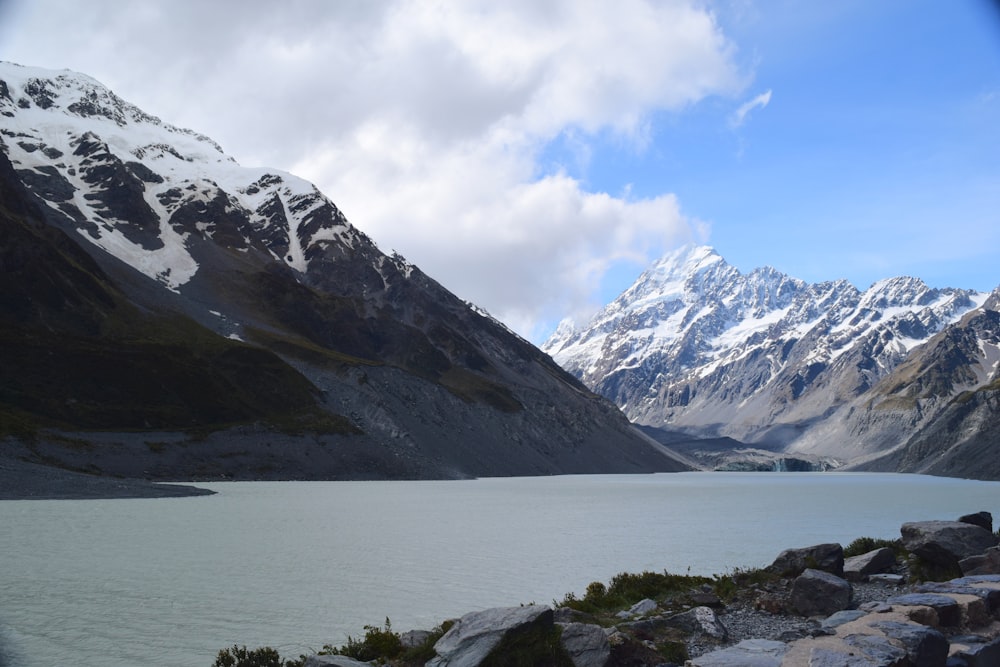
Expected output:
(696, 343)
(145, 190)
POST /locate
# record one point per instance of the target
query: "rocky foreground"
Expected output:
(811, 607)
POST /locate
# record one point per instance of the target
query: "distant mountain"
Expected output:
(168, 313)
(823, 371)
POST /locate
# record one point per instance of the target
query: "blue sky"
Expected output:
(535, 156)
(877, 153)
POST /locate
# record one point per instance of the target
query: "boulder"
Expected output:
(975, 652)
(925, 647)
(748, 653)
(586, 644)
(640, 608)
(476, 634)
(700, 620)
(819, 593)
(858, 568)
(985, 563)
(981, 519)
(878, 651)
(979, 586)
(949, 613)
(414, 638)
(945, 543)
(826, 557)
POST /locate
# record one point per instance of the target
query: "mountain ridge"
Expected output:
(400, 377)
(696, 346)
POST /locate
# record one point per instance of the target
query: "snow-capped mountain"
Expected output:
(232, 299)
(697, 346)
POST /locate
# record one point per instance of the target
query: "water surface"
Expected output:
(295, 565)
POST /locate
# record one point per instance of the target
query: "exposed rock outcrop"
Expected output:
(810, 618)
(825, 557)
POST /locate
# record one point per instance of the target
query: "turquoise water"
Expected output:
(296, 565)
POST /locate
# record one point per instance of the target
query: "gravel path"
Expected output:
(743, 621)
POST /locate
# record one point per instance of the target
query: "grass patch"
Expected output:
(625, 589)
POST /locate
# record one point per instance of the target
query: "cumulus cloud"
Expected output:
(423, 120)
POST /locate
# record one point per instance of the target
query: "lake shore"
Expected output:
(21, 480)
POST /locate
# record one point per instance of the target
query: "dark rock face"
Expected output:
(857, 568)
(985, 563)
(825, 557)
(981, 519)
(819, 593)
(924, 646)
(586, 644)
(476, 635)
(945, 543)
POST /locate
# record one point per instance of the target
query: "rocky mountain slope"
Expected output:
(823, 371)
(168, 313)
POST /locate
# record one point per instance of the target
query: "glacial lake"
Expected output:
(295, 565)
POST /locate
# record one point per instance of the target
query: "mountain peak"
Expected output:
(32, 96)
(241, 303)
(698, 345)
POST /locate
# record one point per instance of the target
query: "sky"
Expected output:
(534, 156)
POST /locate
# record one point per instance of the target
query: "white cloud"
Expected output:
(740, 115)
(423, 120)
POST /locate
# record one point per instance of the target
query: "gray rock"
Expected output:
(825, 657)
(841, 617)
(748, 653)
(857, 568)
(333, 661)
(473, 636)
(640, 608)
(879, 651)
(826, 557)
(586, 644)
(976, 653)
(876, 607)
(948, 611)
(896, 579)
(965, 586)
(818, 593)
(985, 563)
(925, 647)
(700, 620)
(981, 519)
(945, 543)
(414, 638)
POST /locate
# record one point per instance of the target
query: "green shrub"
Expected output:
(863, 545)
(922, 570)
(625, 589)
(728, 586)
(674, 652)
(240, 656)
(377, 644)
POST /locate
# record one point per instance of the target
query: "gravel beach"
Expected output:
(20, 480)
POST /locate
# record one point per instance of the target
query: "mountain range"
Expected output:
(167, 313)
(764, 371)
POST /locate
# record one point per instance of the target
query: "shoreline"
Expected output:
(22, 480)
